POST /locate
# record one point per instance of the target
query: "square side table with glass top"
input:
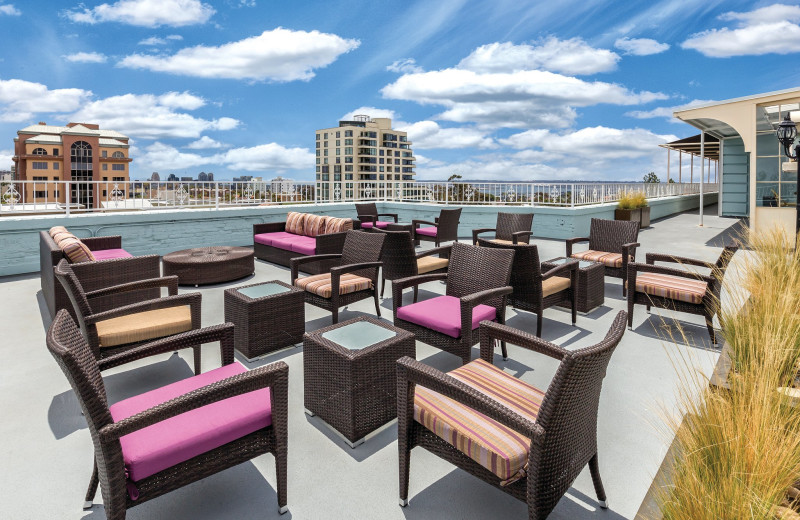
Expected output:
(591, 290)
(267, 317)
(350, 375)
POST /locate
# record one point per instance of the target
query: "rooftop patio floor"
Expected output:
(46, 451)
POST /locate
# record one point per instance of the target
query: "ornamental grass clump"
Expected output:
(632, 200)
(739, 449)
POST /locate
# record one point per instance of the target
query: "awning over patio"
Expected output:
(691, 145)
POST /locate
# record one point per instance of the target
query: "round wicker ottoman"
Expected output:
(204, 265)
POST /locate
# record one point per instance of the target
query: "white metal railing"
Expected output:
(29, 197)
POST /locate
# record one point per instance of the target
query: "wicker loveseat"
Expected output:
(110, 265)
(302, 234)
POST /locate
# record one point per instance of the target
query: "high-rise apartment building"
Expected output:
(78, 152)
(363, 159)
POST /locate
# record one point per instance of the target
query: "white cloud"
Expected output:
(6, 161)
(769, 30)
(666, 112)
(20, 99)
(159, 155)
(573, 56)
(155, 40)
(428, 134)
(10, 10)
(276, 55)
(205, 143)
(404, 66)
(175, 37)
(372, 112)
(182, 100)
(146, 13)
(268, 157)
(640, 46)
(86, 57)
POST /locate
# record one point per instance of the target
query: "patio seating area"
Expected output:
(325, 477)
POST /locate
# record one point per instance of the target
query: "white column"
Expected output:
(702, 171)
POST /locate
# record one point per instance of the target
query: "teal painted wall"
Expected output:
(735, 178)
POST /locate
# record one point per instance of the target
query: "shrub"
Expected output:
(632, 200)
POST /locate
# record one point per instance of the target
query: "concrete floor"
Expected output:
(46, 451)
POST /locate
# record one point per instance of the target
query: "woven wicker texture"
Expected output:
(204, 265)
(329, 243)
(611, 236)
(368, 212)
(400, 259)
(512, 227)
(446, 227)
(590, 288)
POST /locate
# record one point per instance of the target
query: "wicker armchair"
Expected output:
(535, 291)
(369, 217)
(611, 242)
(147, 445)
(477, 287)
(354, 278)
(443, 230)
(678, 289)
(556, 430)
(110, 333)
(511, 228)
(400, 259)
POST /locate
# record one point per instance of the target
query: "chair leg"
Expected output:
(90, 493)
(281, 471)
(503, 350)
(630, 316)
(574, 309)
(197, 350)
(539, 324)
(594, 468)
(416, 293)
(377, 304)
(335, 315)
(710, 327)
(383, 285)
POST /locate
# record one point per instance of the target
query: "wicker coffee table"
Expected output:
(350, 375)
(267, 317)
(204, 265)
(591, 290)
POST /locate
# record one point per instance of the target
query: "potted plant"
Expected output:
(627, 209)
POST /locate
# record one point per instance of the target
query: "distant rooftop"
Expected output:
(73, 129)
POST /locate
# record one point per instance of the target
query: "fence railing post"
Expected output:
(216, 195)
(69, 196)
(572, 195)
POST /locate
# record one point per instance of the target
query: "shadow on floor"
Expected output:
(730, 235)
(671, 330)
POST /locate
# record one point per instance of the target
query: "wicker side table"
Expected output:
(591, 290)
(350, 375)
(267, 317)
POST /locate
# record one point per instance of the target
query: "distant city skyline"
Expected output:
(499, 91)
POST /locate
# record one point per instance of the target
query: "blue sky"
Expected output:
(502, 89)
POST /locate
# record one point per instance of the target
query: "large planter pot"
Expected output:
(645, 217)
(634, 215)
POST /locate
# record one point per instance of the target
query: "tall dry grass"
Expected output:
(739, 450)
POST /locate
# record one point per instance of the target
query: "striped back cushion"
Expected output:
(295, 222)
(497, 448)
(314, 225)
(338, 225)
(57, 229)
(75, 250)
(320, 284)
(672, 287)
(608, 259)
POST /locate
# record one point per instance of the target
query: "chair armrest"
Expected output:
(273, 375)
(99, 243)
(490, 332)
(295, 263)
(572, 241)
(630, 248)
(471, 300)
(269, 227)
(411, 281)
(412, 372)
(191, 299)
(651, 258)
(634, 268)
(222, 333)
(349, 268)
(476, 232)
(415, 223)
(566, 266)
(367, 218)
(517, 236)
(436, 251)
(170, 282)
(393, 215)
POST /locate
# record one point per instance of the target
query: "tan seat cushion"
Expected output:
(426, 264)
(672, 287)
(603, 257)
(554, 284)
(144, 326)
(320, 284)
(501, 241)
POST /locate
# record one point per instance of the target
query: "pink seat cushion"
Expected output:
(379, 224)
(443, 314)
(305, 245)
(287, 242)
(266, 238)
(427, 231)
(109, 254)
(178, 439)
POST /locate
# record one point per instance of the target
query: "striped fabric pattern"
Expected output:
(494, 446)
(603, 257)
(338, 225)
(672, 287)
(57, 229)
(314, 225)
(294, 222)
(320, 284)
(75, 250)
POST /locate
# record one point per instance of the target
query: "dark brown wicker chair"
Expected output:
(511, 228)
(400, 259)
(358, 264)
(443, 230)
(476, 276)
(563, 435)
(76, 359)
(611, 242)
(71, 278)
(369, 217)
(535, 291)
(671, 288)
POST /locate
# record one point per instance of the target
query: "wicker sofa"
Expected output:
(302, 234)
(110, 265)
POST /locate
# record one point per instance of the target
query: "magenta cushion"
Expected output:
(427, 231)
(379, 224)
(287, 242)
(109, 254)
(443, 314)
(266, 238)
(178, 439)
(305, 245)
